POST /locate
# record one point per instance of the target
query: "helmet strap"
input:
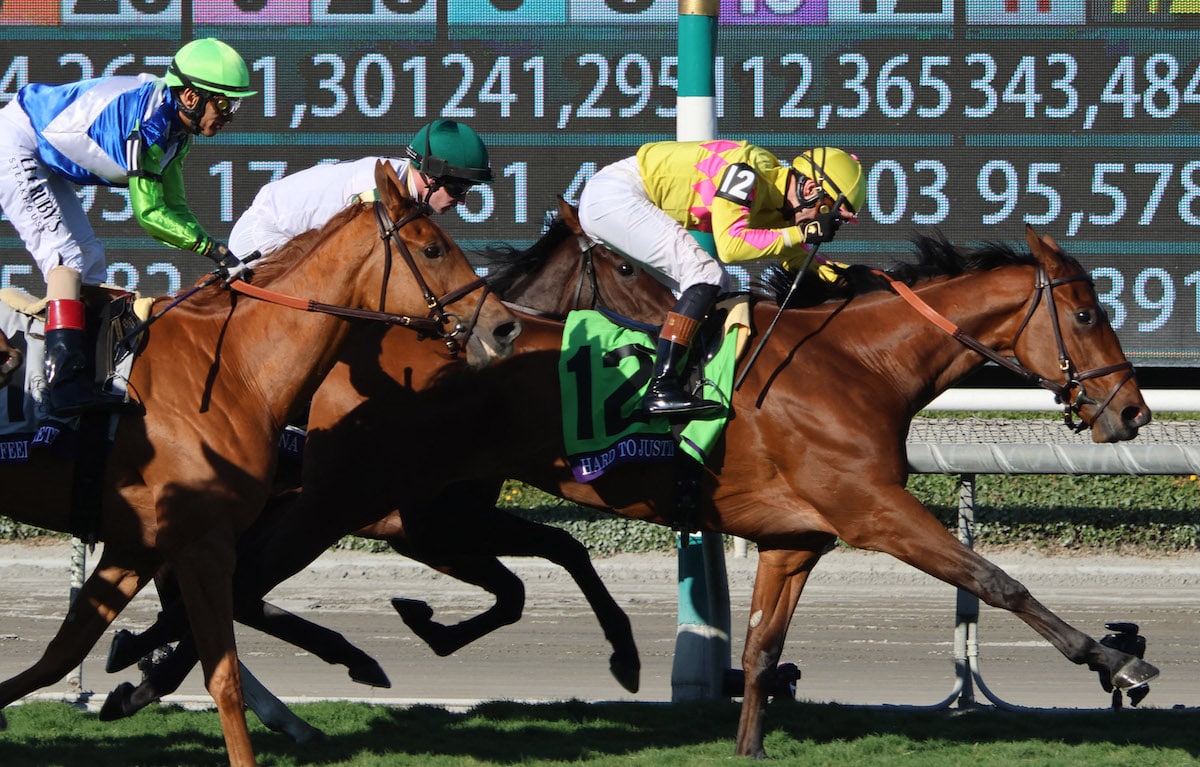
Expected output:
(194, 114)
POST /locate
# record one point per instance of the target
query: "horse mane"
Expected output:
(507, 264)
(269, 267)
(936, 256)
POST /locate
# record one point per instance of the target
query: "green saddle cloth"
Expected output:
(603, 372)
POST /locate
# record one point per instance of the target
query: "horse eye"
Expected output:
(625, 269)
(433, 251)
(1085, 317)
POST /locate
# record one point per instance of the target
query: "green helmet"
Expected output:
(838, 173)
(446, 149)
(210, 65)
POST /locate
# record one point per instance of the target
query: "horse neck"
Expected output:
(262, 352)
(881, 340)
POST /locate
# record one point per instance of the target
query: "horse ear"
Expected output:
(568, 213)
(392, 192)
(1045, 250)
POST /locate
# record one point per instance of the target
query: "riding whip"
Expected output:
(216, 275)
(837, 206)
(770, 328)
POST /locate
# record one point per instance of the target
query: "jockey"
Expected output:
(124, 131)
(441, 164)
(753, 206)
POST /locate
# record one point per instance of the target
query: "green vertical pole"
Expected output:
(702, 652)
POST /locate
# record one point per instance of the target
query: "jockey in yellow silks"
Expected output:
(752, 204)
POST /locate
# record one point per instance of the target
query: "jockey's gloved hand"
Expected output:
(824, 227)
(234, 268)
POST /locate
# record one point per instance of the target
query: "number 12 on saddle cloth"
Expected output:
(603, 371)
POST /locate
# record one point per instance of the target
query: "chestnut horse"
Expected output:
(465, 546)
(814, 449)
(219, 377)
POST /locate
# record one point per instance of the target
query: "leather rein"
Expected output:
(1043, 288)
(439, 323)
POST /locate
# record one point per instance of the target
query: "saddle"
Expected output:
(25, 423)
(113, 315)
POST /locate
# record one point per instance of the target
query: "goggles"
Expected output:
(457, 188)
(225, 105)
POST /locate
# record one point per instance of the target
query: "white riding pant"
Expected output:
(615, 209)
(43, 206)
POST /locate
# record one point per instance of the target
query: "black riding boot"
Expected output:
(71, 388)
(666, 395)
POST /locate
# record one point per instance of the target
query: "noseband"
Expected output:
(1043, 288)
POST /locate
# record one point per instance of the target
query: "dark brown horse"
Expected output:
(219, 377)
(465, 546)
(814, 450)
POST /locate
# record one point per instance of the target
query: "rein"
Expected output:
(433, 325)
(587, 273)
(1043, 287)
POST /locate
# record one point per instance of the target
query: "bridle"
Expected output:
(587, 273)
(440, 323)
(1043, 288)
(588, 278)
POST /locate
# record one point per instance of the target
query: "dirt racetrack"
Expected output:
(869, 630)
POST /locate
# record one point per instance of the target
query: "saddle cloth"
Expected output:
(604, 370)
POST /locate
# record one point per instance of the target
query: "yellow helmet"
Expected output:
(837, 172)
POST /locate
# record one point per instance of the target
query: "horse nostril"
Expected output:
(506, 332)
(1136, 416)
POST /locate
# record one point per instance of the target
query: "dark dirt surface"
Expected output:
(869, 630)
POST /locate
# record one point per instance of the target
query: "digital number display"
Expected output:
(974, 117)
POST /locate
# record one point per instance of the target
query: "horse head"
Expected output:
(615, 282)
(457, 299)
(567, 270)
(1073, 344)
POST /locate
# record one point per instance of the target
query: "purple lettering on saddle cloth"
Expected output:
(638, 448)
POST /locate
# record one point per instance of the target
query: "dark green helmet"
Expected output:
(445, 149)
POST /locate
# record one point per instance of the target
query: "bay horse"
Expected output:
(563, 271)
(219, 376)
(814, 449)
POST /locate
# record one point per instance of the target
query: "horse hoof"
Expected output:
(1136, 673)
(628, 673)
(121, 653)
(413, 610)
(116, 705)
(368, 671)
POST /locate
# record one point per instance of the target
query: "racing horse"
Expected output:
(462, 545)
(219, 375)
(813, 451)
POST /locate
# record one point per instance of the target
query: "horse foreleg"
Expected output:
(104, 594)
(778, 582)
(272, 712)
(205, 572)
(560, 547)
(326, 644)
(910, 533)
(483, 571)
